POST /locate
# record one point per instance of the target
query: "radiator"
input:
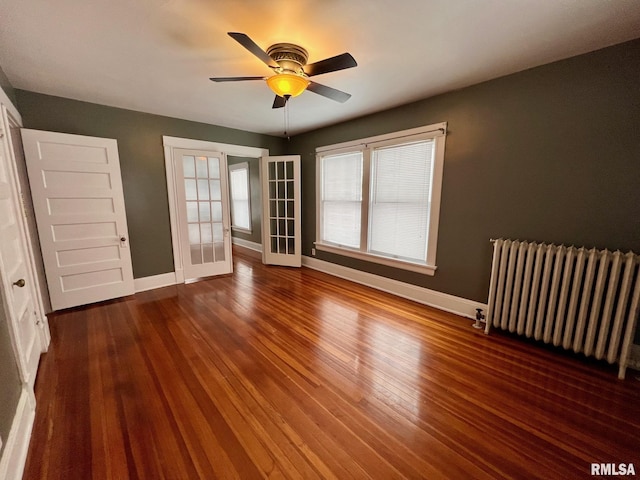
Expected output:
(583, 300)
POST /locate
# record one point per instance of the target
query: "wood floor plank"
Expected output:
(277, 372)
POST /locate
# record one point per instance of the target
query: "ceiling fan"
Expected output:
(289, 62)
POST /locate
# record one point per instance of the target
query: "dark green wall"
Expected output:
(5, 84)
(139, 137)
(256, 199)
(549, 154)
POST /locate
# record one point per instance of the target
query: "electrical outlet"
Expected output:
(313, 252)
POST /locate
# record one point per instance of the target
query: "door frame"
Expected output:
(9, 114)
(169, 143)
(39, 286)
(14, 455)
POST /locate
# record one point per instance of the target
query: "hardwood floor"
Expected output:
(290, 373)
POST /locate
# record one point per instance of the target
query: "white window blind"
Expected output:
(379, 198)
(341, 198)
(400, 195)
(239, 189)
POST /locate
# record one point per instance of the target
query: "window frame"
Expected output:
(231, 168)
(436, 132)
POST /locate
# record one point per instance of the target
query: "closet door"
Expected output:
(79, 206)
(16, 297)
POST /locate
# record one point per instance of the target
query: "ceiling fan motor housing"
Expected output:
(290, 57)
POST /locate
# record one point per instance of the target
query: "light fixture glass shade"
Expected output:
(287, 84)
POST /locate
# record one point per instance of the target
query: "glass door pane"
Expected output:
(281, 202)
(202, 184)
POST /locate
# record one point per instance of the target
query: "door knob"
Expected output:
(20, 283)
(123, 239)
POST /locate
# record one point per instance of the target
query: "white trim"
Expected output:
(154, 281)
(247, 244)
(14, 456)
(5, 100)
(370, 257)
(442, 126)
(227, 148)
(442, 301)
(173, 214)
(436, 197)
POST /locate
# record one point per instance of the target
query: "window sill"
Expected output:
(369, 257)
(241, 230)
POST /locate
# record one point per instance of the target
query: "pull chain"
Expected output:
(284, 113)
(286, 118)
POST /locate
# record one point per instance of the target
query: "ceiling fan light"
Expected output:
(287, 84)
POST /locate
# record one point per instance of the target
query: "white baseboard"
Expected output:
(247, 244)
(443, 301)
(14, 456)
(155, 281)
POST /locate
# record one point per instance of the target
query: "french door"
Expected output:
(281, 231)
(202, 199)
(79, 206)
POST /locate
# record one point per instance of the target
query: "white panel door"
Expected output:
(15, 279)
(79, 205)
(203, 212)
(281, 231)
(32, 247)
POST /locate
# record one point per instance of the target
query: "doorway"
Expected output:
(182, 221)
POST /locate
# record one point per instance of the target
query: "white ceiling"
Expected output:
(157, 56)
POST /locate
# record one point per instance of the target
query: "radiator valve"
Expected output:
(479, 318)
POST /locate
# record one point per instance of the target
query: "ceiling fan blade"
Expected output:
(332, 93)
(250, 45)
(279, 102)
(235, 79)
(333, 64)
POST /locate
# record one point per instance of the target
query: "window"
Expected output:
(379, 198)
(342, 198)
(240, 197)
